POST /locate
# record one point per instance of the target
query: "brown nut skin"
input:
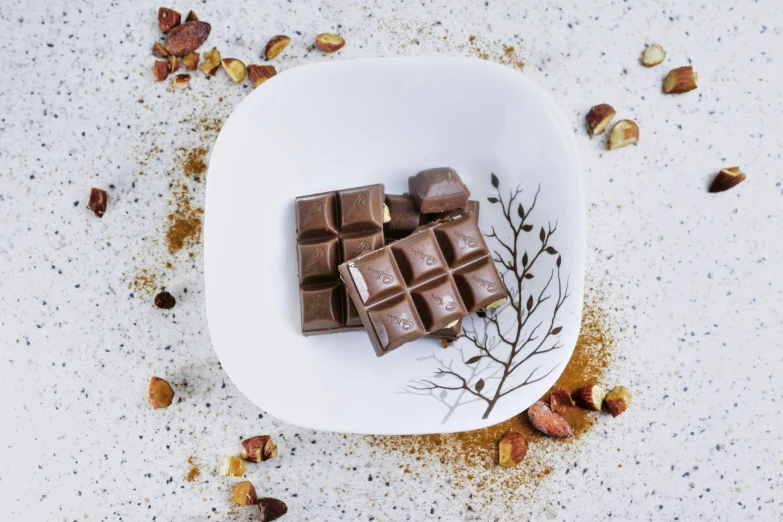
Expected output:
(590, 397)
(244, 494)
(680, 80)
(624, 133)
(186, 38)
(160, 393)
(258, 74)
(618, 400)
(190, 61)
(192, 17)
(329, 43)
(168, 19)
(653, 55)
(598, 118)
(158, 51)
(271, 509)
(258, 448)
(548, 422)
(232, 467)
(276, 45)
(98, 201)
(165, 300)
(559, 399)
(512, 448)
(727, 178)
(160, 69)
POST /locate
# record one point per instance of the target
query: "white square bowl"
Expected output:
(343, 124)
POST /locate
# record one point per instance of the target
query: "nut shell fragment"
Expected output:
(548, 422)
(727, 178)
(271, 509)
(598, 118)
(512, 448)
(186, 38)
(232, 466)
(624, 132)
(679, 80)
(168, 19)
(276, 45)
(618, 400)
(244, 494)
(653, 55)
(590, 397)
(329, 43)
(160, 393)
(259, 448)
(235, 69)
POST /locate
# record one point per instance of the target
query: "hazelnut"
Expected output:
(244, 494)
(624, 132)
(158, 51)
(168, 19)
(653, 55)
(512, 449)
(258, 74)
(559, 399)
(679, 80)
(165, 301)
(180, 80)
(271, 509)
(160, 69)
(329, 43)
(258, 448)
(598, 118)
(727, 178)
(617, 400)
(548, 422)
(232, 466)
(160, 393)
(590, 397)
(235, 69)
(190, 61)
(98, 201)
(276, 45)
(211, 62)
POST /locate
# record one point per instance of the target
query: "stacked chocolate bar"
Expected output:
(399, 267)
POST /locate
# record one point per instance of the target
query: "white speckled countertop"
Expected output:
(691, 280)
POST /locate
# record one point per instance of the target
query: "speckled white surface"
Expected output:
(692, 278)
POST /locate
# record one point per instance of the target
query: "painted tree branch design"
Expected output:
(508, 338)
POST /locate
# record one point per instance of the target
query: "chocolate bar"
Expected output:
(423, 283)
(331, 228)
(404, 219)
(438, 190)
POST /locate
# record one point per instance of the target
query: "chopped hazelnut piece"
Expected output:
(618, 400)
(160, 69)
(180, 80)
(590, 397)
(271, 509)
(211, 62)
(727, 178)
(173, 64)
(598, 118)
(192, 17)
(158, 51)
(653, 55)
(160, 393)
(559, 399)
(165, 301)
(329, 43)
(258, 448)
(232, 466)
(190, 61)
(276, 45)
(235, 69)
(244, 494)
(512, 448)
(624, 132)
(258, 74)
(97, 202)
(679, 80)
(168, 19)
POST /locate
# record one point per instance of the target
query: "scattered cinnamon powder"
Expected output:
(145, 283)
(494, 52)
(193, 472)
(193, 164)
(185, 224)
(471, 457)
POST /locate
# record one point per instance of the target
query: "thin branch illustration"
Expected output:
(503, 340)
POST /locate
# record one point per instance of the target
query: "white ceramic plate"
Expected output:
(344, 124)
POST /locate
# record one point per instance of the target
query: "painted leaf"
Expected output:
(492, 200)
(422, 358)
(528, 276)
(480, 385)
(521, 211)
(439, 375)
(556, 330)
(527, 228)
(524, 260)
(495, 181)
(529, 303)
(443, 394)
(542, 235)
(473, 359)
(558, 261)
(551, 250)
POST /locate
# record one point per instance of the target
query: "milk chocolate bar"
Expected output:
(423, 283)
(438, 190)
(331, 228)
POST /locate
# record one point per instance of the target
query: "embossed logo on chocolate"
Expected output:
(489, 285)
(313, 211)
(428, 259)
(317, 255)
(405, 323)
(385, 277)
(465, 240)
(359, 202)
(364, 246)
(315, 307)
(447, 302)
